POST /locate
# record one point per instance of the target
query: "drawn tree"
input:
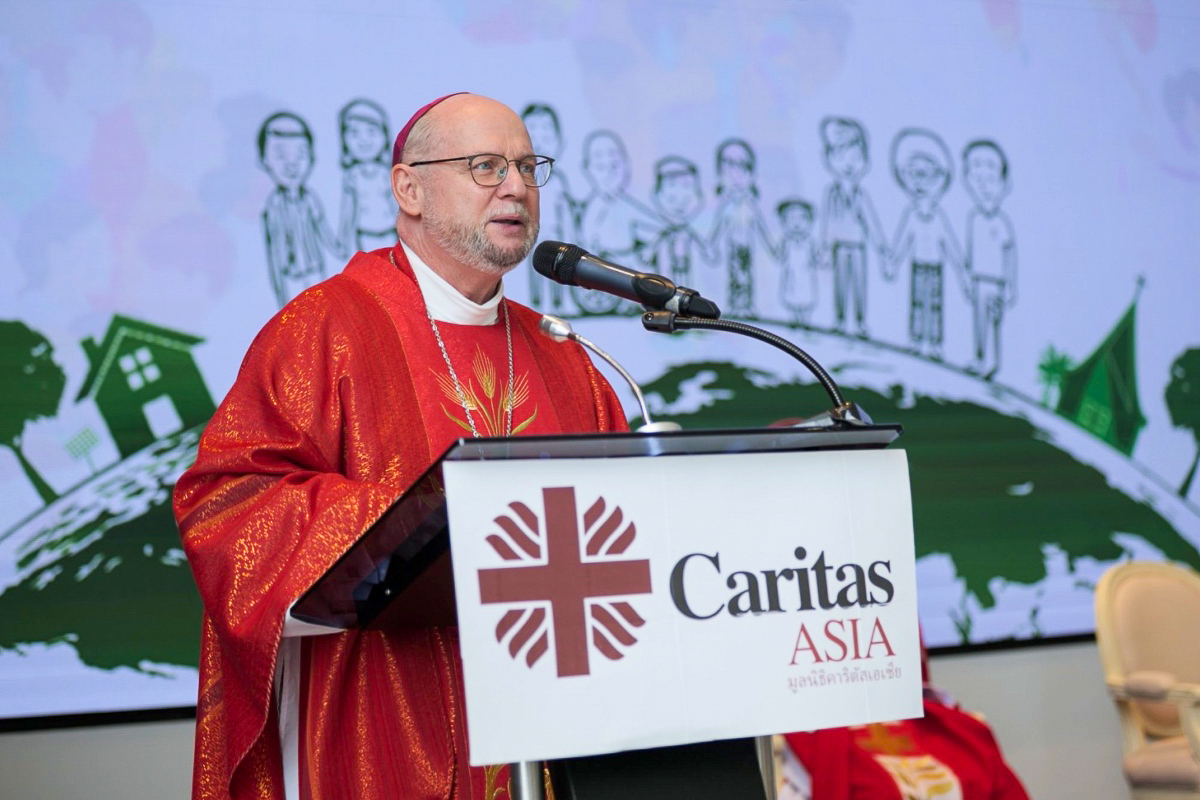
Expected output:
(34, 385)
(1052, 370)
(1183, 404)
(81, 445)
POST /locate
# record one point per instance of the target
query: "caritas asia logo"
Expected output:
(573, 563)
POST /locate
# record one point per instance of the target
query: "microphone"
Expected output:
(571, 265)
(560, 331)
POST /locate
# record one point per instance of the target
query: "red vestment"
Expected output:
(341, 403)
(947, 753)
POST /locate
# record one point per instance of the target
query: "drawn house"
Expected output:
(145, 383)
(1100, 395)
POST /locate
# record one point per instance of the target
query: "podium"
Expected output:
(681, 730)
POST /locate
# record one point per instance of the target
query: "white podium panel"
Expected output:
(626, 603)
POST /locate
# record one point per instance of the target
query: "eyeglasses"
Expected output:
(489, 169)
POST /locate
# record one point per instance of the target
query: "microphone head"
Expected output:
(557, 261)
(556, 328)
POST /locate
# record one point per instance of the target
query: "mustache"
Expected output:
(515, 210)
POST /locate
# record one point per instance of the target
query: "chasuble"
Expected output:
(342, 401)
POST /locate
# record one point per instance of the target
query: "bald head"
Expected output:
(459, 228)
(460, 113)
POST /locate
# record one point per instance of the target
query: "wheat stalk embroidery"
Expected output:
(484, 397)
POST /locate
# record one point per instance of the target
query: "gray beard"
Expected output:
(471, 247)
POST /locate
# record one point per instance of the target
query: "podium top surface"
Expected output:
(625, 445)
(399, 565)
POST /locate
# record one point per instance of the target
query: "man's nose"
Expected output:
(512, 185)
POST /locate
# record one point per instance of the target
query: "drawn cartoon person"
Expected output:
(991, 253)
(738, 222)
(293, 219)
(368, 214)
(679, 198)
(612, 224)
(921, 165)
(559, 215)
(849, 223)
(799, 257)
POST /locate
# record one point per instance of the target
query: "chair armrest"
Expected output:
(1185, 694)
(1143, 685)
(1155, 686)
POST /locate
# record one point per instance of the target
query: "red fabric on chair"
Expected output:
(947, 754)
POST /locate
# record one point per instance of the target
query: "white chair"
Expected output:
(1148, 633)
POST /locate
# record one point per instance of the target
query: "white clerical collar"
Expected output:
(447, 304)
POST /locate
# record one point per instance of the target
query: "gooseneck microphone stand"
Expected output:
(560, 330)
(842, 411)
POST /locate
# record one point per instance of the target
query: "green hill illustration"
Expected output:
(103, 570)
(989, 490)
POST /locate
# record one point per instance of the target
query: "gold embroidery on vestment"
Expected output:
(484, 396)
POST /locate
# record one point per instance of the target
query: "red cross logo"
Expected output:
(579, 592)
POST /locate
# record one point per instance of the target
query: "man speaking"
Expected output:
(345, 397)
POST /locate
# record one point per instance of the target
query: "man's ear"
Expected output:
(407, 189)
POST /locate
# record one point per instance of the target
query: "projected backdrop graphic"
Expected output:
(987, 238)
